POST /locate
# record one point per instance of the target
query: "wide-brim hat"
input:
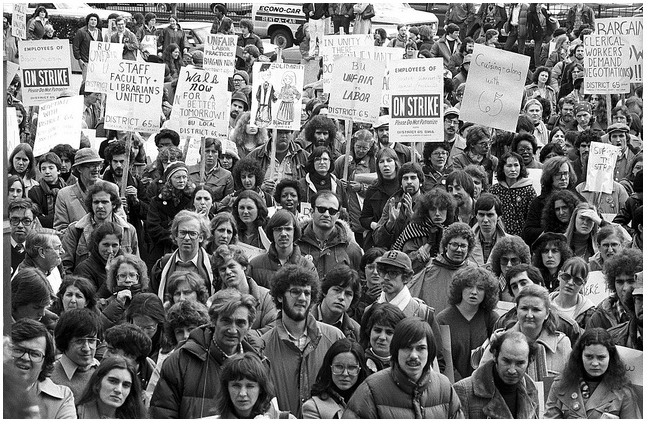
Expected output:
(382, 121)
(86, 156)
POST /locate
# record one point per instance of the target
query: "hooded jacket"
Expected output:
(263, 267)
(584, 308)
(515, 202)
(338, 249)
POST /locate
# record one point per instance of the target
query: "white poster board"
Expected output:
(134, 100)
(19, 20)
(220, 53)
(596, 287)
(12, 69)
(358, 89)
(386, 54)
(13, 133)
(98, 76)
(59, 121)
(494, 88)
(416, 100)
(601, 166)
(45, 70)
(630, 30)
(333, 46)
(149, 44)
(605, 67)
(633, 360)
(198, 108)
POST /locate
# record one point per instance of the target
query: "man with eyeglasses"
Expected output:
(325, 239)
(455, 143)
(296, 346)
(21, 219)
(216, 178)
(33, 354)
(43, 251)
(189, 230)
(77, 334)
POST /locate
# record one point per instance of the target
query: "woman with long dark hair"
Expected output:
(172, 59)
(105, 245)
(549, 252)
(75, 292)
(248, 175)
(594, 383)
(558, 210)
(567, 299)
(250, 214)
(342, 371)
(22, 164)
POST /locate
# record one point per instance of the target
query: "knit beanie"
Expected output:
(173, 168)
(243, 74)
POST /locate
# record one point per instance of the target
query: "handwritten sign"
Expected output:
(386, 54)
(101, 53)
(59, 121)
(595, 288)
(416, 100)
(633, 360)
(134, 96)
(149, 44)
(220, 53)
(605, 68)
(602, 162)
(358, 89)
(494, 88)
(45, 70)
(12, 69)
(19, 20)
(198, 108)
(630, 32)
(341, 45)
(277, 88)
(13, 133)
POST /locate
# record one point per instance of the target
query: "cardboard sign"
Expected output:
(633, 360)
(220, 53)
(193, 151)
(101, 53)
(416, 100)
(602, 163)
(45, 70)
(134, 96)
(358, 89)
(12, 69)
(13, 133)
(503, 307)
(605, 67)
(19, 20)
(250, 251)
(198, 108)
(595, 288)
(277, 89)
(534, 175)
(341, 45)
(149, 44)
(59, 121)
(630, 31)
(387, 54)
(494, 88)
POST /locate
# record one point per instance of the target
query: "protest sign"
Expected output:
(595, 288)
(534, 175)
(98, 65)
(198, 108)
(416, 100)
(13, 132)
(358, 89)
(600, 168)
(630, 31)
(59, 121)
(386, 54)
(605, 67)
(503, 307)
(277, 89)
(494, 88)
(193, 152)
(134, 100)
(334, 46)
(220, 53)
(633, 360)
(149, 44)
(250, 251)
(19, 20)
(45, 70)
(12, 69)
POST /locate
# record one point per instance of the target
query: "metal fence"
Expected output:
(184, 11)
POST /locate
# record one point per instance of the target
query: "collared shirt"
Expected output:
(14, 243)
(514, 18)
(194, 260)
(319, 316)
(70, 367)
(299, 342)
(401, 300)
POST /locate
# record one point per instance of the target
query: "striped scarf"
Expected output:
(429, 230)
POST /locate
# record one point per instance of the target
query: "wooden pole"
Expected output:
(124, 177)
(413, 152)
(202, 159)
(349, 131)
(609, 107)
(275, 133)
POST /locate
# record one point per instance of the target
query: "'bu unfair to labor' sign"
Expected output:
(494, 88)
(100, 53)
(45, 70)
(416, 100)
(341, 45)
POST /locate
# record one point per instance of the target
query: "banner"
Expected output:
(198, 108)
(605, 67)
(45, 70)
(600, 168)
(59, 121)
(358, 89)
(101, 53)
(341, 45)
(416, 100)
(276, 94)
(19, 20)
(220, 53)
(494, 88)
(134, 100)
(595, 288)
(630, 32)
(13, 132)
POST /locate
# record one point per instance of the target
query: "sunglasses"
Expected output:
(323, 209)
(567, 277)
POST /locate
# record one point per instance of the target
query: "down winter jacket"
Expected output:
(263, 267)
(481, 399)
(189, 383)
(390, 394)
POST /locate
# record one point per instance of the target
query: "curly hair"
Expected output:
(183, 314)
(524, 137)
(245, 366)
(131, 339)
(549, 151)
(615, 376)
(551, 167)
(324, 381)
(193, 280)
(286, 182)
(538, 71)
(27, 329)
(627, 262)
(167, 134)
(294, 275)
(506, 245)
(429, 148)
(538, 291)
(500, 174)
(474, 276)
(435, 198)
(458, 229)
(564, 250)
(586, 136)
(131, 259)
(323, 123)
(170, 193)
(64, 150)
(261, 209)
(239, 135)
(103, 187)
(384, 314)
(549, 221)
(250, 166)
(85, 286)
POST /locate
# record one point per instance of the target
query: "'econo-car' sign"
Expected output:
(275, 20)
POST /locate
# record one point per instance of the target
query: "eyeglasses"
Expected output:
(505, 261)
(124, 276)
(393, 273)
(296, 292)
(80, 342)
(452, 122)
(192, 234)
(440, 154)
(331, 211)
(457, 246)
(35, 356)
(562, 174)
(337, 369)
(523, 150)
(14, 221)
(567, 277)
(608, 246)
(363, 148)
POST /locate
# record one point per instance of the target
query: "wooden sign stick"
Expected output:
(202, 159)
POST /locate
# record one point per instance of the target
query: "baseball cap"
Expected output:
(452, 111)
(395, 258)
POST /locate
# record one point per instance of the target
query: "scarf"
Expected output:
(429, 231)
(445, 262)
(50, 193)
(321, 182)
(414, 389)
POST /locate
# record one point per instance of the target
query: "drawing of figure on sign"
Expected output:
(265, 96)
(288, 95)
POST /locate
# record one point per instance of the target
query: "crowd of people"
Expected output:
(396, 281)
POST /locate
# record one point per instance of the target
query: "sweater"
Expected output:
(515, 202)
